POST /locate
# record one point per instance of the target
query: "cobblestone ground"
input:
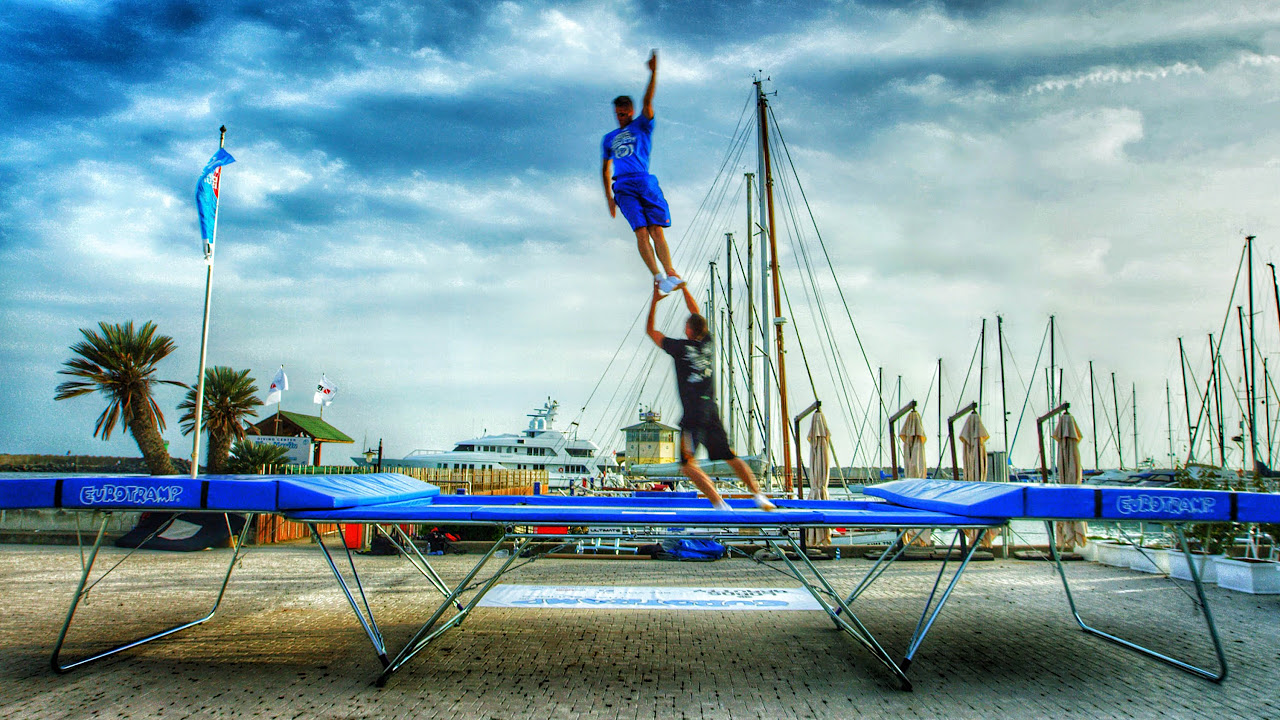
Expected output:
(286, 644)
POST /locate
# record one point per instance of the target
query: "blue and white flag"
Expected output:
(207, 194)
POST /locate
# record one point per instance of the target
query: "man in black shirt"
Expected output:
(700, 424)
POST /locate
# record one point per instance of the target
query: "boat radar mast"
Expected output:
(543, 418)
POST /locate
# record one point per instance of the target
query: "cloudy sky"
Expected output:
(416, 208)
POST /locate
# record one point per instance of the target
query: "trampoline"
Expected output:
(387, 501)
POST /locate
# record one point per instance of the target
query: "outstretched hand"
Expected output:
(653, 60)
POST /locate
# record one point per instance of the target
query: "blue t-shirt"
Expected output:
(629, 146)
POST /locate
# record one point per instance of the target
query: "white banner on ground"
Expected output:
(558, 597)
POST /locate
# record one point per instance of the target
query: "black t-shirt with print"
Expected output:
(694, 360)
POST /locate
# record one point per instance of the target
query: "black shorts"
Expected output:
(708, 433)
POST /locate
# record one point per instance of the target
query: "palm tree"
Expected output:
(248, 458)
(230, 396)
(120, 363)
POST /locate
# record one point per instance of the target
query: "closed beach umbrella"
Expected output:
(974, 438)
(820, 471)
(914, 463)
(913, 440)
(1067, 435)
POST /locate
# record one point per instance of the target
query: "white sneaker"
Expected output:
(764, 503)
(669, 283)
(722, 505)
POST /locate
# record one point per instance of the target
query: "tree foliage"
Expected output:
(119, 362)
(230, 397)
(248, 457)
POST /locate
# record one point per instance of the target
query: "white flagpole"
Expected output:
(204, 332)
(277, 430)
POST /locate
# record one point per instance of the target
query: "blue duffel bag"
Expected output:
(693, 549)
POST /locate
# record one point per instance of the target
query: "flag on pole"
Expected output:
(207, 193)
(325, 391)
(279, 383)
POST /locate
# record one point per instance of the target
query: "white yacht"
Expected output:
(567, 459)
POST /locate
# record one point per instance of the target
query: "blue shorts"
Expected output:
(641, 201)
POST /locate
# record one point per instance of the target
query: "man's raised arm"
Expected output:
(653, 80)
(689, 302)
(649, 330)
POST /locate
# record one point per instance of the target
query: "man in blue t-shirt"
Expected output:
(629, 187)
(700, 424)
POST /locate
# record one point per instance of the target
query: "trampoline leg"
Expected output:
(82, 591)
(429, 632)
(1203, 603)
(369, 624)
(923, 627)
(890, 554)
(411, 553)
(841, 615)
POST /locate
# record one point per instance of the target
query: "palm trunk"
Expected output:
(143, 428)
(219, 451)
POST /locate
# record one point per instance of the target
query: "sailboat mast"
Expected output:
(729, 335)
(751, 322)
(982, 361)
(880, 413)
(1186, 403)
(1168, 417)
(1004, 403)
(766, 358)
(778, 319)
(1136, 463)
(1115, 401)
(1215, 375)
(1253, 365)
(940, 448)
(1093, 418)
(711, 325)
(1053, 364)
(1248, 389)
(1266, 397)
(1266, 406)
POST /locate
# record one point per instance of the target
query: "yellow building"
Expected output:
(649, 441)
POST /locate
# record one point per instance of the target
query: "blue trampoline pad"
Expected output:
(973, 499)
(322, 492)
(1077, 502)
(175, 493)
(221, 493)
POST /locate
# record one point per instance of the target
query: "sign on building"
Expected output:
(299, 447)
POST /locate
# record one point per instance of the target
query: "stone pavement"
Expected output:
(285, 644)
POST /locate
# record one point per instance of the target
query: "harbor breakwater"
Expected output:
(81, 464)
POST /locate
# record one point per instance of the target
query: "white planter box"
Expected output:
(1115, 554)
(1257, 577)
(1088, 551)
(1205, 566)
(1150, 560)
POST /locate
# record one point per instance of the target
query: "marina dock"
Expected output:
(285, 644)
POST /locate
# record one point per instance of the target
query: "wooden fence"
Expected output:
(273, 528)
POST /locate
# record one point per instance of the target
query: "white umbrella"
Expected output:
(913, 440)
(1067, 434)
(913, 461)
(819, 473)
(974, 437)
